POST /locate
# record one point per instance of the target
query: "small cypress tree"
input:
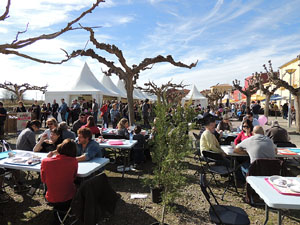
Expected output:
(171, 145)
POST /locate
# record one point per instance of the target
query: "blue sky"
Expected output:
(231, 39)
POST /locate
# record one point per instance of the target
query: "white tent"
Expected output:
(107, 82)
(121, 86)
(196, 96)
(151, 97)
(85, 85)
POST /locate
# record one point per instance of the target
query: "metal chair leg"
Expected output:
(266, 214)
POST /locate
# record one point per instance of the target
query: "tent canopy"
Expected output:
(88, 82)
(107, 82)
(194, 94)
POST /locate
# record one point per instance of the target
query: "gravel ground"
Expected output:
(191, 207)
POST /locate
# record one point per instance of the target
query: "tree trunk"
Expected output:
(248, 100)
(267, 104)
(297, 107)
(19, 96)
(158, 99)
(129, 90)
(163, 215)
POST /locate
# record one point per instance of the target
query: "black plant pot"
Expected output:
(156, 194)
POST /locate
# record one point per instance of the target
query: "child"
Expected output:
(138, 149)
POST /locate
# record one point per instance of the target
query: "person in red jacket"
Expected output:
(92, 126)
(59, 173)
(104, 113)
(245, 133)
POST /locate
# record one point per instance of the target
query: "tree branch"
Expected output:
(148, 61)
(5, 14)
(274, 76)
(17, 44)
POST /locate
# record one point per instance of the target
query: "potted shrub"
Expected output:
(171, 145)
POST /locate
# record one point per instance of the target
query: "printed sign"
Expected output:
(23, 117)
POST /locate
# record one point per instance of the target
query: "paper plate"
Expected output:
(295, 188)
(279, 181)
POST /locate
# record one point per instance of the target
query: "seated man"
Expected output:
(79, 123)
(87, 148)
(258, 146)
(66, 133)
(225, 124)
(208, 141)
(249, 116)
(279, 135)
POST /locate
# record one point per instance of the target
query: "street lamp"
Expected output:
(290, 72)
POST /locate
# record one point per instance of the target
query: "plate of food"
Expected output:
(280, 181)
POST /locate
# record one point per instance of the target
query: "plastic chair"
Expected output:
(219, 167)
(222, 214)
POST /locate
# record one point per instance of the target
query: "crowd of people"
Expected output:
(251, 138)
(111, 111)
(71, 141)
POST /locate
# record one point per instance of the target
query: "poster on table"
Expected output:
(23, 117)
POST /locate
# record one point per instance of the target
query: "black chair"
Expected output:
(263, 167)
(219, 167)
(222, 214)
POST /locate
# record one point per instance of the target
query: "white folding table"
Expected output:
(84, 168)
(228, 150)
(125, 149)
(272, 198)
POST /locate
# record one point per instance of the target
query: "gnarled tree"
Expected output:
(282, 83)
(161, 91)
(251, 89)
(14, 47)
(267, 88)
(218, 95)
(18, 90)
(210, 96)
(124, 71)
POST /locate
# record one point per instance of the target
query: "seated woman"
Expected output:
(26, 139)
(48, 145)
(92, 126)
(59, 173)
(245, 133)
(122, 128)
(225, 124)
(51, 124)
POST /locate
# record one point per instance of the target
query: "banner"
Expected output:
(23, 117)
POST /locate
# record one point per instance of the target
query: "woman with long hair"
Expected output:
(92, 126)
(245, 133)
(123, 128)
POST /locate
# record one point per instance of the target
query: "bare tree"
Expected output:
(18, 90)
(268, 89)
(210, 96)
(14, 47)
(124, 72)
(218, 95)
(161, 91)
(250, 90)
(274, 77)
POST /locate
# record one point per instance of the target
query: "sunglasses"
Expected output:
(245, 126)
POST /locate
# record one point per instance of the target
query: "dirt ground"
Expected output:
(191, 208)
